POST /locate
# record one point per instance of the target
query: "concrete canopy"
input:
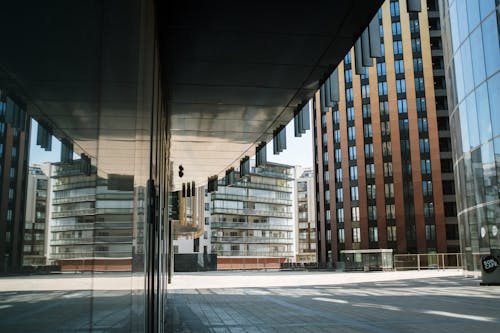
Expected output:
(236, 70)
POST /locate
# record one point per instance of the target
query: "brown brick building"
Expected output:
(382, 148)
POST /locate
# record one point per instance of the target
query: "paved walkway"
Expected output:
(426, 301)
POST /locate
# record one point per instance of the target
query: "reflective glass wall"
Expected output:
(472, 57)
(88, 73)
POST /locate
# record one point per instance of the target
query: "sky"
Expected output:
(299, 151)
(39, 155)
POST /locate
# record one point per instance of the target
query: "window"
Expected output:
(365, 91)
(386, 148)
(341, 235)
(401, 86)
(389, 190)
(402, 106)
(399, 66)
(371, 191)
(338, 155)
(354, 193)
(382, 49)
(419, 84)
(403, 125)
(367, 130)
(348, 75)
(385, 128)
(353, 172)
(351, 133)
(338, 175)
(394, 8)
(425, 166)
(421, 107)
(356, 235)
(422, 125)
(347, 58)
(384, 108)
(382, 88)
(391, 233)
(430, 232)
(388, 169)
(336, 136)
(427, 188)
(349, 95)
(417, 65)
(368, 150)
(415, 45)
(355, 214)
(381, 69)
(352, 153)
(370, 170)
(336, 117)
(207, 221)
(328, 216)
(398, 47)
(372, 213)
(390, 212)
(350, 113)
(325, 157)
(326, 177)
(414, 25)
(396, 28)
(424, 145)
(340, 215)
(428, 209)
(373, 234)
(340, 195)
(327, 195)
(367, 111)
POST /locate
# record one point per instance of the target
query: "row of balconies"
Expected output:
(92, 240)
(250, 226)
(222, 196)
(251, 239)
(254, 253)
(252, 212)
(92, 255)
(265, 187)
(93, 211)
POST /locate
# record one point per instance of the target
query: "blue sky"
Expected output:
(39, 155)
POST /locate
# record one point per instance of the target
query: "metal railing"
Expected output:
(252, 226)
(428, 261)
(223, 196)
(247, 211)
(252, 239)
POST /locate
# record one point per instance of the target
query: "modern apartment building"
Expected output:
(91, 222)
(252, 219)
(14, 152)
(472, 66)
(382, 149)
(36, 227)
(305, 215)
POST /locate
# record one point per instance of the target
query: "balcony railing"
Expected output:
(93, 240)
(92, 255)
(223, 196)
(252, 239)
(265, 186)
(250, 226)
(76, 226)
(58, 201)
(253, 212)
(254, 253)
(79, 212)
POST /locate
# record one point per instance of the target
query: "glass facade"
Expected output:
(472, 62)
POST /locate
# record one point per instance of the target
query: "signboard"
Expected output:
(490, 268)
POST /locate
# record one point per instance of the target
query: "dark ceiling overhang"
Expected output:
(236, 70)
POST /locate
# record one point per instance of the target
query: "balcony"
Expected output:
(91, 255)
(93, 240)
(265, 187)
(250, 212)
(59, 201)
(69, 213)
(250, 226)
(251, 240)
(222, 196)
(76, 226)
(254, 254)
